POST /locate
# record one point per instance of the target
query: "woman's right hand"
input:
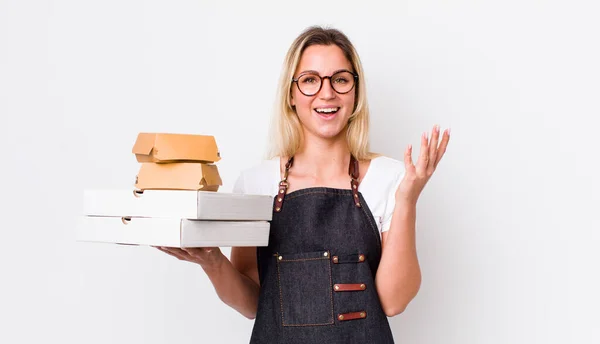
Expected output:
(210, 258)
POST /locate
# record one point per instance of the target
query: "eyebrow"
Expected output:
(315, 72)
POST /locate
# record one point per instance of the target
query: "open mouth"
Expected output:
(328, 112)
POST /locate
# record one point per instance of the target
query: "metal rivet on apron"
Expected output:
(336, 287)
(325, 254)
(363, 314)
(279, 199)
(278, 209)
(357, 204)
(280, 257)
(355, 195)
(335, 259)
(362, 286)
(354, 186)
(340, 317)
(361, 258)
(280, 191)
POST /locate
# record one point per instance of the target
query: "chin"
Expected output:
(329, 133)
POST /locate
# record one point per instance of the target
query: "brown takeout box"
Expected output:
(178, 176)
(166, 147)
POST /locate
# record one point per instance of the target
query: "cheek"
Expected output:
(296, 98)
(350, 102)
(301, 102)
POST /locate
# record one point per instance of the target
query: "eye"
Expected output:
(309, 80)
(340, 80)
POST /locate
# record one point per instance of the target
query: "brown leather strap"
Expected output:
(283, 184)
(349, 287)
(352, 316)
(353, 167)
(353, 171)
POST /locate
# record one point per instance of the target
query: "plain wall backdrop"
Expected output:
(507, 228)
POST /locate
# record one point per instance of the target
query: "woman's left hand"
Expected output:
(418, 175)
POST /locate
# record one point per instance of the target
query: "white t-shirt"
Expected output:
(378, 185)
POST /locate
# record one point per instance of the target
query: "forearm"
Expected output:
(399, 275)
(234, 288)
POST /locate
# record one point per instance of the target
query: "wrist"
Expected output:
(404, 203)
(215, 265)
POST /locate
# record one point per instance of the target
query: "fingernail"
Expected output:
(448, 131)
(437, 128)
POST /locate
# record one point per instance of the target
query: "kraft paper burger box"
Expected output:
(168, 147)
(178, 176)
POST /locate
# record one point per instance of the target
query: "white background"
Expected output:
(507, 228)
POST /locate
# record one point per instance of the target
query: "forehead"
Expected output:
(324, 59)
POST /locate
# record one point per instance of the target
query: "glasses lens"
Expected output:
(342, 82)
(309, 84)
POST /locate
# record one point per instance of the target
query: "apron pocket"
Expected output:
(305, 288)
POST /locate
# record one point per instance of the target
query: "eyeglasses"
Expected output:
(310, 83)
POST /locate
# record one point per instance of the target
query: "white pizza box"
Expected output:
(180, 204)
(172, 232)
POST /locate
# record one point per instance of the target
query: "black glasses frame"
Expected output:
(323, 80)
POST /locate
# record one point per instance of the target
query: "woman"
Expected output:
(341, 255)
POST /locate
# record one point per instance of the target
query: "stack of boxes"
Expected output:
(175, 201)
(177, 162)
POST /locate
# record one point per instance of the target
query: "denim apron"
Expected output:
(317, 274)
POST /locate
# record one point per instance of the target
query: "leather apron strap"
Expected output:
(284, 184)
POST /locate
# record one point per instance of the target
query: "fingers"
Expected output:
(423, 155)
(200, 253)
(176, 252)
(433, 149)
(408, 163)
(443, 145)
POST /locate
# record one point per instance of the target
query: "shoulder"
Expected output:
(382, 178)
(260, 178)
(385, 169)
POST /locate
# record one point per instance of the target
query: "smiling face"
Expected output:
(325, 114)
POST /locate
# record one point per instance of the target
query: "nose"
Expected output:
(326, 91)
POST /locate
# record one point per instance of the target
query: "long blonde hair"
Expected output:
(286, 129)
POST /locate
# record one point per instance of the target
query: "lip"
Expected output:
(326, 107)
(324, 116)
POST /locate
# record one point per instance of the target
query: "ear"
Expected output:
(292, 101)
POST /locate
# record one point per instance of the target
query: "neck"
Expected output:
(323, 158)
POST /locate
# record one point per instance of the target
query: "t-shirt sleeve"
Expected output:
(391, 199)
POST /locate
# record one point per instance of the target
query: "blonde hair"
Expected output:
(286, 129)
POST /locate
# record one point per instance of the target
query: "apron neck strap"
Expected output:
(283, 184)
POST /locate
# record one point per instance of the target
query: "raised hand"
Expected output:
(417, 176)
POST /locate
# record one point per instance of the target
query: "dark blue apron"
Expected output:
(317, 274)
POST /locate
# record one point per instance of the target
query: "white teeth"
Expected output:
(327, 110)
